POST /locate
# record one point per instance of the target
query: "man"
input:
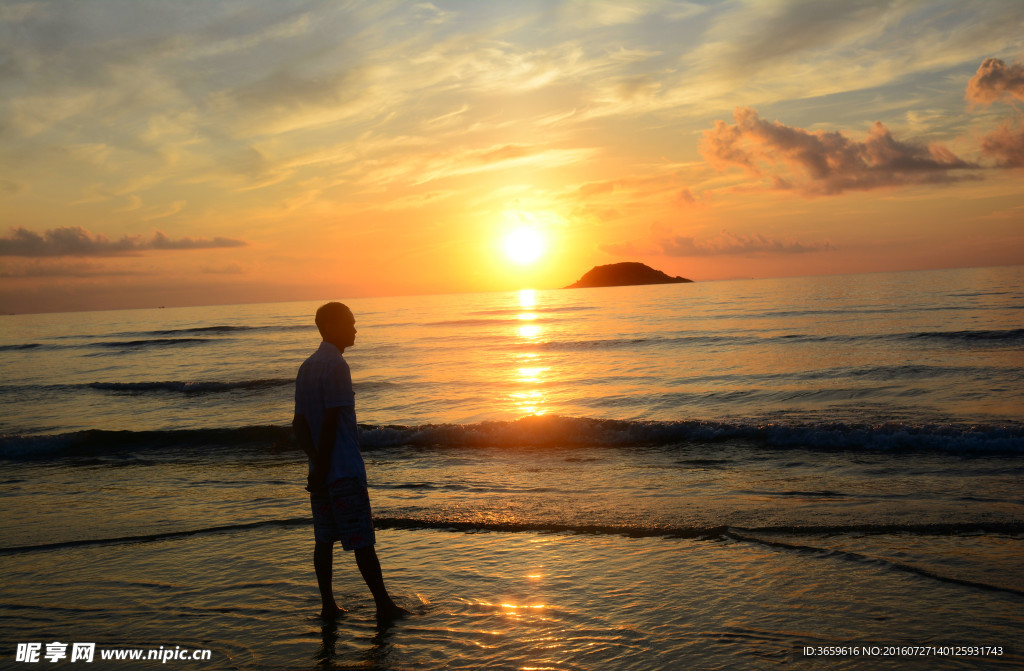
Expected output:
(325, 426)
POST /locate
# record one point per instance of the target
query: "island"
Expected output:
(624, 274)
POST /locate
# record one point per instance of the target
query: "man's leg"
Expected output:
(323, 564)
(369, 567)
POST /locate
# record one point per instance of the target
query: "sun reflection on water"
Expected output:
(529, 398)
(518, 610)
(531, 374)
(529, 332)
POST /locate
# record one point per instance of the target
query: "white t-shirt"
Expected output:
(324, 381)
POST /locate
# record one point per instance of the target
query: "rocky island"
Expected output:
(624, 274)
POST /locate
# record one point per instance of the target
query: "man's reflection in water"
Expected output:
(375, 657)
(328, 640)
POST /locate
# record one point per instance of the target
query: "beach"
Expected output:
(810, 473)
(508, 600)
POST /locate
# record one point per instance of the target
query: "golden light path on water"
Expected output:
(529, 398)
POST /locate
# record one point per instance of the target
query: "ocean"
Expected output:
(809, 472)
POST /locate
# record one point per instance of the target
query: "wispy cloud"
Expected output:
(237, 96)
(311, 118)
(726, 243)
(762, 53)
(76, 241)
(729, 243)
(775, 32)
(62, 268)
(9, 187)
(826, 162)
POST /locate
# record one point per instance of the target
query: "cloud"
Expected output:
(476, 160)
(726, 244)
(285, 101)
(729, 243)
(163, 211)
(1006, 144)
(48, 268)
(8, 187)
(826, 162)
(161, 241)
(784, 29)
(76, 241)
(872, 52)
(686, 197)
(229, 269)
(994, 80)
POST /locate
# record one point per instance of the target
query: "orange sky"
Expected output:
(173, 153)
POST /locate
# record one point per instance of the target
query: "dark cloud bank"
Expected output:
(732, 243)
(726, 244)
(76, 241)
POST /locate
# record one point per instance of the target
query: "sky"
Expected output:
(189, 152)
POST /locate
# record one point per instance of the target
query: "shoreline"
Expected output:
(481, 598)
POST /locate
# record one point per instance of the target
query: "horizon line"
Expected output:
(460, 293)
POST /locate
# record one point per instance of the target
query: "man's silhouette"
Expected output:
(325, 426)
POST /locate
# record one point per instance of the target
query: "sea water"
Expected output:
(710, 475)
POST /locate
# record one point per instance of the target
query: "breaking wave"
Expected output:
(980, 338)
(547, 432)
(190, 387)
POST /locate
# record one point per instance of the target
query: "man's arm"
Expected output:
(319, 454)
(302, 434)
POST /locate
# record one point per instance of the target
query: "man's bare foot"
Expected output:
(391, 611)
(332, 612)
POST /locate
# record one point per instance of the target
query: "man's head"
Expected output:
(336, 324)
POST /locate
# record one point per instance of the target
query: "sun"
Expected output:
(524, 245)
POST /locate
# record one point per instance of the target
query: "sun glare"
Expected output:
(524, 245)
